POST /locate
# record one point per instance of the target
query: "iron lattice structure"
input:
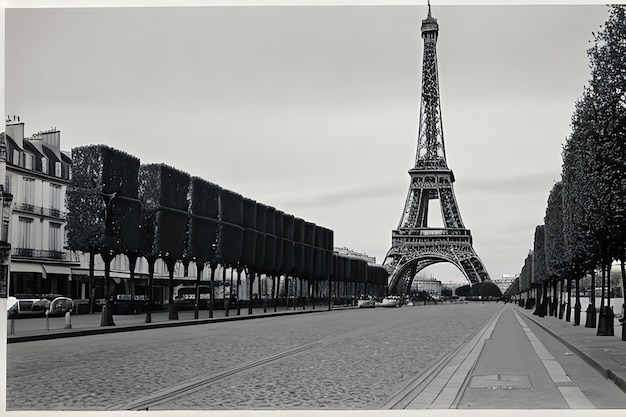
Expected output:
(415, 245)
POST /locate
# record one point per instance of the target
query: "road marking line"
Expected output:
(573, 395)
(442, 391)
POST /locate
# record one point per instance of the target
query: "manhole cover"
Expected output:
(499, 381)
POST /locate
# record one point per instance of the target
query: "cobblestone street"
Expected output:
(349, 359)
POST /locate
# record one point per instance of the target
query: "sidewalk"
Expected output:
(520, 361)
(606, 354)
(30, 329)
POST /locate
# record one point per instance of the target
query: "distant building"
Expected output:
(355, 254)
(429, 285)
(505, 282)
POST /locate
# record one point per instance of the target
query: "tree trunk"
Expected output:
(92, 284)
(196, 307)
(212, 289)
(173, 308)
(591, 310)
(151, 261)
(106, 319)
(577, 306)
(568, 314)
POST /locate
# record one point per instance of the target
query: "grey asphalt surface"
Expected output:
(348, 359)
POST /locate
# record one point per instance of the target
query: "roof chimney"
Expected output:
(15, 129)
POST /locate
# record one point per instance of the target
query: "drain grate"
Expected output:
(499, 381)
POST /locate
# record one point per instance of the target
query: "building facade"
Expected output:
(428, 285)
(354, 254)
(505, 282)
(36, 174)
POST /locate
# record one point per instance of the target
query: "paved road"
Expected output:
(350, 359)
(465, 356)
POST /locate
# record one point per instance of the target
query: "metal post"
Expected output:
(577, 306)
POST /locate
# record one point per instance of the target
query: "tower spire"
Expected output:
(431, 151)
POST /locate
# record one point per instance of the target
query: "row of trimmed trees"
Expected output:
(584, 227)
(117, 206)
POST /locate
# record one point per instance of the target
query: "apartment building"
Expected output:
(36, 174)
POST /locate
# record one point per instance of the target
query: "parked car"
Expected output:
(30, 305)
(60, 305)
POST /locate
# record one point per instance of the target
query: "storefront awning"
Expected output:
(26, 267)
(57, 269)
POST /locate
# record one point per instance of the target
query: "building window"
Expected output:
(55, 198)
(28, 160)
(57, 169)
(29, 191)
(44, 165)
(8, 181)
(25, 227)
(54, 240)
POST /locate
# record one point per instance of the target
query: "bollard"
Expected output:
(591, 316)
(12, 330)
(68, 320)
(47, 321)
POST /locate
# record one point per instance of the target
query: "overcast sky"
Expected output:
(314, 110)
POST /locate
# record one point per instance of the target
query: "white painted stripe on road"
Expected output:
(573, 395)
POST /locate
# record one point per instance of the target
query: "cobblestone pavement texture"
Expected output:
(358, 358)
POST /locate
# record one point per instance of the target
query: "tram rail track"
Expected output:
(450, 363)
(190, 386)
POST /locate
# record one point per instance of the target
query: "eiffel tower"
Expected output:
(415, 245)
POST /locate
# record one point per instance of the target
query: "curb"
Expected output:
(618, 380)
(158, 325)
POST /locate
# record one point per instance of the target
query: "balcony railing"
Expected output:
(39, 254)
(42, 211)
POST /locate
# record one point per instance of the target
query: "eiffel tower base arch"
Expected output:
(403, 262)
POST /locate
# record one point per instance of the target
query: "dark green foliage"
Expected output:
(288, 244)
(269, 264)
(319, 254)
(259, 258)
(309, 244)
(249, 234)
(539, 266)
(298, 237)
(204, 212)
(230, 241)
(164, 191)
(85, 220)
(101, 176)
(556, 263)
(377, 274)
(488, 289)
(278, 227)
(464, 291)
(126, 224)
(594, 162)
(526, 276)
